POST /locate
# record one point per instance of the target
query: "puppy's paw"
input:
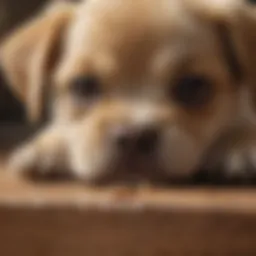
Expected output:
(27, 161)
(42, 158)
(233, 158)
(22, 160)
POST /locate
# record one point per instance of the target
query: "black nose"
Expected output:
(147, 141)
(142, 141)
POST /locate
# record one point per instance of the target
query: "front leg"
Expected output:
(41, 157)
(233, 157)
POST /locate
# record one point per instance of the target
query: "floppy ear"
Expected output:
(29, 54)
(236, 20)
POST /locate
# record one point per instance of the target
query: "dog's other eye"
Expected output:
(86, 86)
(192, 90)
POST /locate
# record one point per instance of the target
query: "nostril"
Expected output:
(123, 141)
(123, 138)
(147, 141)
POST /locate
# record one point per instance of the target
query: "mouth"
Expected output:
(134, 169)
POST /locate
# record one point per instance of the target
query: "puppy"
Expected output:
(147, 88)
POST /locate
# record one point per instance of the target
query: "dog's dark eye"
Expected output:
(192, 90)
(87, 87)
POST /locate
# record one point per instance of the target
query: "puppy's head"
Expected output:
(141, 84)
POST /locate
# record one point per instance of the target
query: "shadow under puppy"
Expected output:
(148, 88)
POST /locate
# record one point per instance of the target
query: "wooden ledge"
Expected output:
(27, 194)
(69, 219)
